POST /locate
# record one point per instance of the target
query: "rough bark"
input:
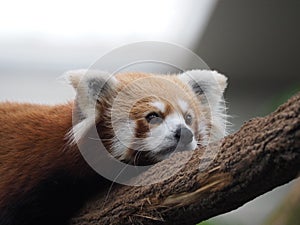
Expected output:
(262, 155)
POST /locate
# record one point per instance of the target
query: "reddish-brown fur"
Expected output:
(151, 88)
(35, 154)
(32, 149)
(40, 169)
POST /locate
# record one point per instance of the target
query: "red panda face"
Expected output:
(154, 116)
(143, 118)
(164, 127)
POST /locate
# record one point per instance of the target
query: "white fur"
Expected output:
(79, 130)
(213, 85)
(159, 105)
(203, 130)
(162, 136)
(183, 105)
(124, 137)
(86, 97)
(174, 120)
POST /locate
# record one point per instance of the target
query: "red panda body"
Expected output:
(42, 179)
(140, 118)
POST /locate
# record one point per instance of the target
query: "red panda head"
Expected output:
(144, 118)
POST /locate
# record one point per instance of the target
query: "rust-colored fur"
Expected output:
(33, 149)
(44, 178)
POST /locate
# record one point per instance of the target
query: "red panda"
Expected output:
(140, 118)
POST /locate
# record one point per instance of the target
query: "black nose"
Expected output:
(184, 135)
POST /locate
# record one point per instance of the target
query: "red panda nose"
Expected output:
(184, 135)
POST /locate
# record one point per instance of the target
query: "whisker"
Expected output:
(95, 139)
(135, 158)
(114, 181)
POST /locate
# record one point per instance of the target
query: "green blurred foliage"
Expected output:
(293, 217)
(206, 223)
(210, 222)
(283, 96)
(287, 213)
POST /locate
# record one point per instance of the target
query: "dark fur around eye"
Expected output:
(153, 118)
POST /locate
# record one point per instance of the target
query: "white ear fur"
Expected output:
(90, 86)
(210, 86)
(210, 83)
(74, 76)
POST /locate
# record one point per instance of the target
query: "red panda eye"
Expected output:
(188, 119)
(153, 118)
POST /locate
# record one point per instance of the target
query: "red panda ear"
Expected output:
(206, 82)
(90, 86)
(74, 76)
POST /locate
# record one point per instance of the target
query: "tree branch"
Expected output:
(262, 155)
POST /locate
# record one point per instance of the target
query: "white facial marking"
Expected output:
(123, 139)
(183, 105)
(160, 105)
(156, 138)
(204, 132)
(174, 120)
(163, 136)
(79, 130)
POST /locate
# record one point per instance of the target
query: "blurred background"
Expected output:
(255, 43)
